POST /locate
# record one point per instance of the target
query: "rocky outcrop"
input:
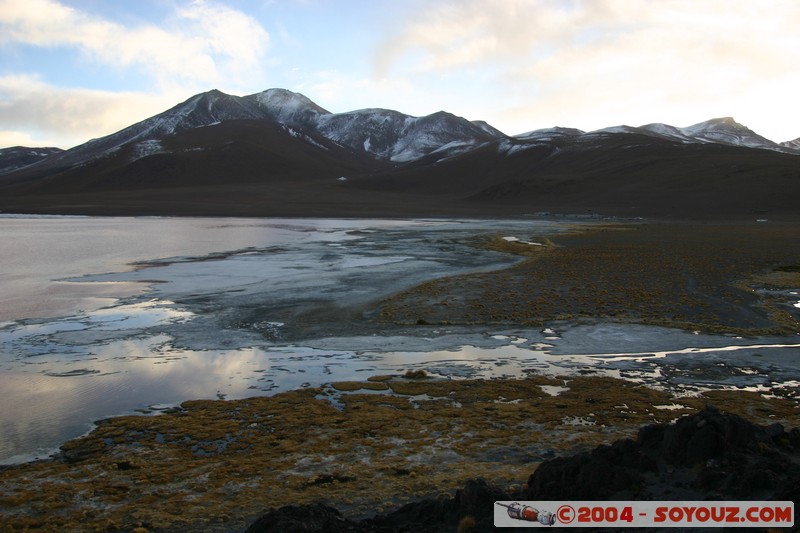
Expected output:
(475, 500)
(708, 455)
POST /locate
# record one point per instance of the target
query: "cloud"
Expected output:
(18, 138)
(35, 113)
(201, 44)
(609, 61)
(451, 34)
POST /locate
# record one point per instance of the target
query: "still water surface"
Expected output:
(101, 316)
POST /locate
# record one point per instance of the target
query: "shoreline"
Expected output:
(214, 465)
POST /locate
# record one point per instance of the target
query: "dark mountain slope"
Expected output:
(17, 157)
(278, 153)
(242, 167)
(226, 154)
(622, 174)
(200, 110)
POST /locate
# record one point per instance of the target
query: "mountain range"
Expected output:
(277, 153)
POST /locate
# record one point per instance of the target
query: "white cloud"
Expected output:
(519, 64)
(602, 62)
(18, 138)
(34, 113)
(203, 44)
(340, 92)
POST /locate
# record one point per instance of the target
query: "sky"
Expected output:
(73, 70)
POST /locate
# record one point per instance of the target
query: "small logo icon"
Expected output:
(529, 514)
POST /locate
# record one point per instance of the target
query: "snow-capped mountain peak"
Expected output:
(723, 130)
(616, 129)
(382, 133)
(399, 137)
(665, 130)
(283, 99)
(721, 123)
(17, 157)
(792, 145)
(201, 110)
(488, 128)
(726, 130)
(548, 134)
(287, 107)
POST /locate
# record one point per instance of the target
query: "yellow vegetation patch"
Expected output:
(216, 465)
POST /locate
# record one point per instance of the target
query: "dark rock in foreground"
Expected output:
(319, 518)
(709, 455)
(476, 499)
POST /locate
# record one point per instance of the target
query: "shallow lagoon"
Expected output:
(105, 316)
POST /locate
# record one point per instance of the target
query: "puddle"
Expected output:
(518, 240)
(670, 407)
(578, 421)
(553, 390)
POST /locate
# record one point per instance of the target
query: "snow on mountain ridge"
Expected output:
(426, 134)
(288, 107)
(383, 133)
(795, 144)
(396, 136)
(17, 157)
(723, 130)
(547, 134)
(146, 148)
(285, 99)
(614, 129)
(665, 130)
(488, 128)
(202, 110)
(727, 131)
(373, 130)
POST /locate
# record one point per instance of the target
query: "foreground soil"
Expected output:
(711, 277)
(366, 448)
